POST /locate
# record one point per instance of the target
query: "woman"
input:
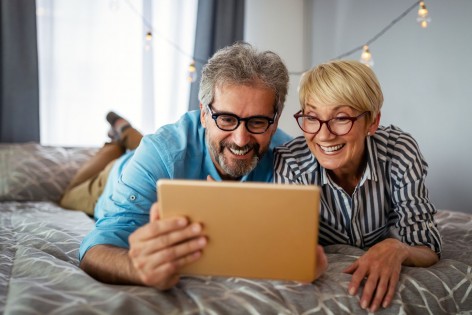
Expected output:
(372, 178)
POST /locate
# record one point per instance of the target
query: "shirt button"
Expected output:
(132, 197)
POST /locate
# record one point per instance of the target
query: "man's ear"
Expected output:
(374, 124)
(202, 115)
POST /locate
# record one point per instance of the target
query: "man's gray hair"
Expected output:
(242, 64)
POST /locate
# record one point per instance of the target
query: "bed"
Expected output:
(39, 272)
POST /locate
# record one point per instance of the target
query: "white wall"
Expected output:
(278, 25)
(424, 72)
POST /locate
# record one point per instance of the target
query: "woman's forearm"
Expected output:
(420, 256)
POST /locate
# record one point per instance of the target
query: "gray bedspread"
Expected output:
(39, 243)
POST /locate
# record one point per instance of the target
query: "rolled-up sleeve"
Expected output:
(416, 224)
(126, 201)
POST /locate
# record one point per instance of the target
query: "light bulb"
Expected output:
(148, 41)
(192, 72)
(366, 57)
(423, 16)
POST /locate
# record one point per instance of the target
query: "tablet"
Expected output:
(254, 230)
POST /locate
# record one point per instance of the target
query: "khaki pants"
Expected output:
(85, 195)
(90, 180)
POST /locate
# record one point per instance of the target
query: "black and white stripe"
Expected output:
(391, 199)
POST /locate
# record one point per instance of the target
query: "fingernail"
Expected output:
(352, 291)
(364, 305)
(202, 241)
(196, 228)
(182, 222)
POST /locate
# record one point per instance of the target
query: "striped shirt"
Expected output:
(390, 200)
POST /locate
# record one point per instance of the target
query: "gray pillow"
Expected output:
(32, 172)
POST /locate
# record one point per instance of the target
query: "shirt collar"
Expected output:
(372, 160)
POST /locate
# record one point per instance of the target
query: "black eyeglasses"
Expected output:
(338, 126)
(230, 122)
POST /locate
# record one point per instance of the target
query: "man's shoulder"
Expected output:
(280, 137)
(188, 122)
(187, 129)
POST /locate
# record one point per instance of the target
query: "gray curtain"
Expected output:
(219, 23)
(19, 87)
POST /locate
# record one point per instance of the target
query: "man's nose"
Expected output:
(241, 136)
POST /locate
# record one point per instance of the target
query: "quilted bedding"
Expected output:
(39, 274)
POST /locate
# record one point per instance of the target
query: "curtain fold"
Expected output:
(19, 85)
(219, 23)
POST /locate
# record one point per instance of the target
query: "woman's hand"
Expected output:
(160, 248)
(380, 267)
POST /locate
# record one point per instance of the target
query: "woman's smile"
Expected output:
(331, 149)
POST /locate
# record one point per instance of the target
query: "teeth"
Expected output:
(239, 152)
(332, 148)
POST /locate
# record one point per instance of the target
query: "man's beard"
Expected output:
(237, 168)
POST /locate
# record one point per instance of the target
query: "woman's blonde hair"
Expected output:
(342, 82)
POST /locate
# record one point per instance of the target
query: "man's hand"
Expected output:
(160, 248)
(380, 267)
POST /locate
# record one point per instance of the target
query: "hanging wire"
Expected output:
(350, 52)
(373, 39)
(149, 26)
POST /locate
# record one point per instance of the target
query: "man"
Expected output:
(242, 94)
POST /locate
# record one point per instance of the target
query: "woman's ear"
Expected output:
(202, 115)
(374, 125)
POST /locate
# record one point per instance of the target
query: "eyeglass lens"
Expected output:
(338, 126)
(253, 124)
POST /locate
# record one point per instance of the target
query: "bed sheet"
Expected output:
(39, 274)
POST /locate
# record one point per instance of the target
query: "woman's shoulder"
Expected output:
(393, 142)
(392, 135)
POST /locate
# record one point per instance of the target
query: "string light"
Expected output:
(423, 16)
(148, 41)
(177, 48)
(366, 57)
(192, 72)
(373, 39)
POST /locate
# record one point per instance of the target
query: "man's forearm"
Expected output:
(110, 264)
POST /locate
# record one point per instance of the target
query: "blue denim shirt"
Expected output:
(176, 151)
